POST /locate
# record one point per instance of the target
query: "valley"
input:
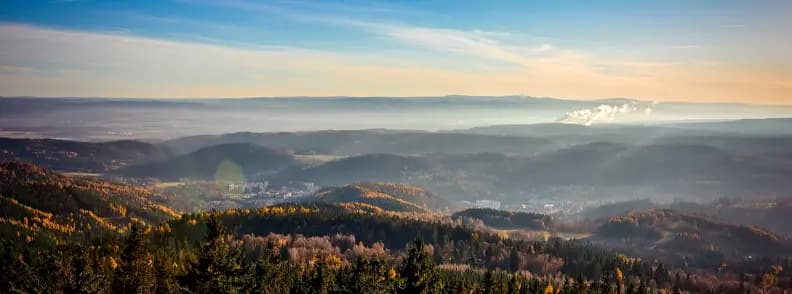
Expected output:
(590, 196)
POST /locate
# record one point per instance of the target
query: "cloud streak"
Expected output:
(475, 43)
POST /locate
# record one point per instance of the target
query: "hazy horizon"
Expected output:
(416, 97)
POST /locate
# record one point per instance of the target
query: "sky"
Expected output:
(697, 51)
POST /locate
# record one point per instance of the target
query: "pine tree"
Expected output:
(64, 278)
(515, 284)
(166, 280)
(489, 285)
(661, 275)
(135, 271)
(604, 285)
(642, 288)
(218, 268)
(18, 275)
(369, 276)
(418, 270)
(514, 260)
(261, 274)
(675, 290)
(93, 274)
(321, 279)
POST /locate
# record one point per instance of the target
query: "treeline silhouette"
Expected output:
(327, 249)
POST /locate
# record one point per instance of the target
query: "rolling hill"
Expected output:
(384, 197)
(665, 171)
(373, 141)
(501, 219)
(38, 204)
(81, 156)
(233, 161)
(667, 232)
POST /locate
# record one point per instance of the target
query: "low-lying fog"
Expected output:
(101, 119)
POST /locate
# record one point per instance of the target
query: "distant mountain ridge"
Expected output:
(170, 118)
(355, 142)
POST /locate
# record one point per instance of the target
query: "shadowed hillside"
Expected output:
(373, 141)
(596, 170)
(229, 160)
(81, 156)
(667, 232)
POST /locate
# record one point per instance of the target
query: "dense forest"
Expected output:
(39, 205)
(76, 234)
(507, 219)
(329, 249)
(384, 196)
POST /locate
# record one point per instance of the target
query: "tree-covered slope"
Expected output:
(228, 161)
(384, 196)
(81, 156)
(40, 203)
(501, 219)
(670, 232)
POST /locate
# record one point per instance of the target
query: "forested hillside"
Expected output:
(81, 156)
(382, 196)
(705, 241)
(222, 162)
(591, 171)
(325, 248)
(372, 141)
(72, 234)
(507, 219)
(42, 206)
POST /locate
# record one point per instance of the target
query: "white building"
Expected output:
(487, 204)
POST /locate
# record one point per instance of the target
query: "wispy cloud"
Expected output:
(10, 69)
(471, 43)
(48, 62)
(170, 20)
(686, 47)
(475, 42)
(543, 48)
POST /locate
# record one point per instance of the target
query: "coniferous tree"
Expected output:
(514, 284)
(166, 280)
(64, 277)
(94, 273)
(489, 285)
(514, 260)
(218, 268)
(321, 279)
(661, 275)
(135, 270)
(261, 275)
(18, 274)
(642, 288)
(418, 270)
(369, 276)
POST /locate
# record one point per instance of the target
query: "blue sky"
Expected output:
(735, 51)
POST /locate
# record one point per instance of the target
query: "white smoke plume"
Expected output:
(604, 113)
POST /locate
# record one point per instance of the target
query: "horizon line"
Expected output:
(402, 97)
